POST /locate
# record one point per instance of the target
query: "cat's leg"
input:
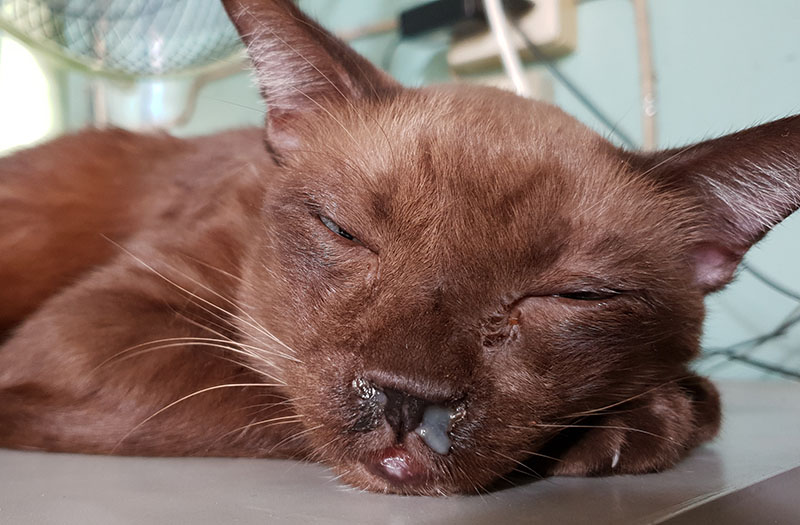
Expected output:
(99, 368)
(650, 433)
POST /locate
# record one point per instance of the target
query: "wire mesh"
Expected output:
(129, 37)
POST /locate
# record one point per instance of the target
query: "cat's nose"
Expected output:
(403, 411)
(431, 418)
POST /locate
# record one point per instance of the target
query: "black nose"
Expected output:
(403, 411)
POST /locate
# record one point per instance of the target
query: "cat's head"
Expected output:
(457, 271)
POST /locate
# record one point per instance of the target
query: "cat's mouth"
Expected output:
(409, 464)
(399, 467)
(408, 460)
(408, 468)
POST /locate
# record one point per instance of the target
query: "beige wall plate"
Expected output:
(551, 25)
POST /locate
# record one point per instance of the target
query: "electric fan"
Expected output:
(125, 37)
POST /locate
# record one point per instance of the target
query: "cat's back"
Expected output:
(61, 202)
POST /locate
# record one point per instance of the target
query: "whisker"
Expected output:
(482, 493)
(631, 398)
(256, 352)
(187, 342)
(256, 326)
(610, 427)
(540, 455)
(253, 369)
(206, 326)
(494, 473)
(283, 420)
(264, 406)
(295, 436)
(186, 397)
(316, 454)
(521, 465)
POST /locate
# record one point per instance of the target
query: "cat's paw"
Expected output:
(648, 434)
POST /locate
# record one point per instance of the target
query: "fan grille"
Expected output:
(130, 37)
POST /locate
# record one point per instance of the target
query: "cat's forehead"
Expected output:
(478, 170)
(483, 124)
(452, 137)
(476, 151)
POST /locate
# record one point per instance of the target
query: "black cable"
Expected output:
(567, 83)
(789, 321)
(757, 363)
(438, 14)
(772, 284)
(734, 353)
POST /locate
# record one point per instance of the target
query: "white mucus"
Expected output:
(434, 427)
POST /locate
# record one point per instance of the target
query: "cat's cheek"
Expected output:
(560, 352)
(317, 289)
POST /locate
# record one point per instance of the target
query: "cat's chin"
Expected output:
(406, 468)
(371, 476)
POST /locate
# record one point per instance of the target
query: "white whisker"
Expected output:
(186, 397)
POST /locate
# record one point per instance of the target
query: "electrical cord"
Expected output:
(508, 51)
(738, 351)
(769, 282)
(761, 365)
(754, 342)
(647, 76)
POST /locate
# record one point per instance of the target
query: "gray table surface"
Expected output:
(750, 474)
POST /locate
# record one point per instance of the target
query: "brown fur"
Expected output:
(477, 216)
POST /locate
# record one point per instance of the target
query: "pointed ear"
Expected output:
(744, 184)
(301, 68)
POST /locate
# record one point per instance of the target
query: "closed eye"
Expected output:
(589, 295)
(335, 228)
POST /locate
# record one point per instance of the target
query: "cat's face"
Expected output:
(514, 285)
(458, 274)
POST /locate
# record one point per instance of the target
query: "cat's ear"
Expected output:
(301, 68)
(743, 184)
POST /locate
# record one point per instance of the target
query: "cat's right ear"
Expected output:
(742, 185)
(301, 68)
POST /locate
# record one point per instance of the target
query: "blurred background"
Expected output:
(644, 73)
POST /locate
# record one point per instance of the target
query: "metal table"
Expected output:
(750, 474)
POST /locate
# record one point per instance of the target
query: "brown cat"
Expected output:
(421, 288)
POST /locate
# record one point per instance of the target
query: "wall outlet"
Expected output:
(550, 24)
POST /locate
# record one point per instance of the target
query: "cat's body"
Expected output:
(187, 208)
(420, 288)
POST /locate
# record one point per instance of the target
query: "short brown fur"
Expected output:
(183, 297)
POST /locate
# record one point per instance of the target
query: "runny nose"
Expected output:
(431, 422)
(403, 411)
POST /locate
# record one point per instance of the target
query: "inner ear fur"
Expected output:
(300, 67)
(743, 185)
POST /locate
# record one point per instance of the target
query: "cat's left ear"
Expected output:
(743, 184)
